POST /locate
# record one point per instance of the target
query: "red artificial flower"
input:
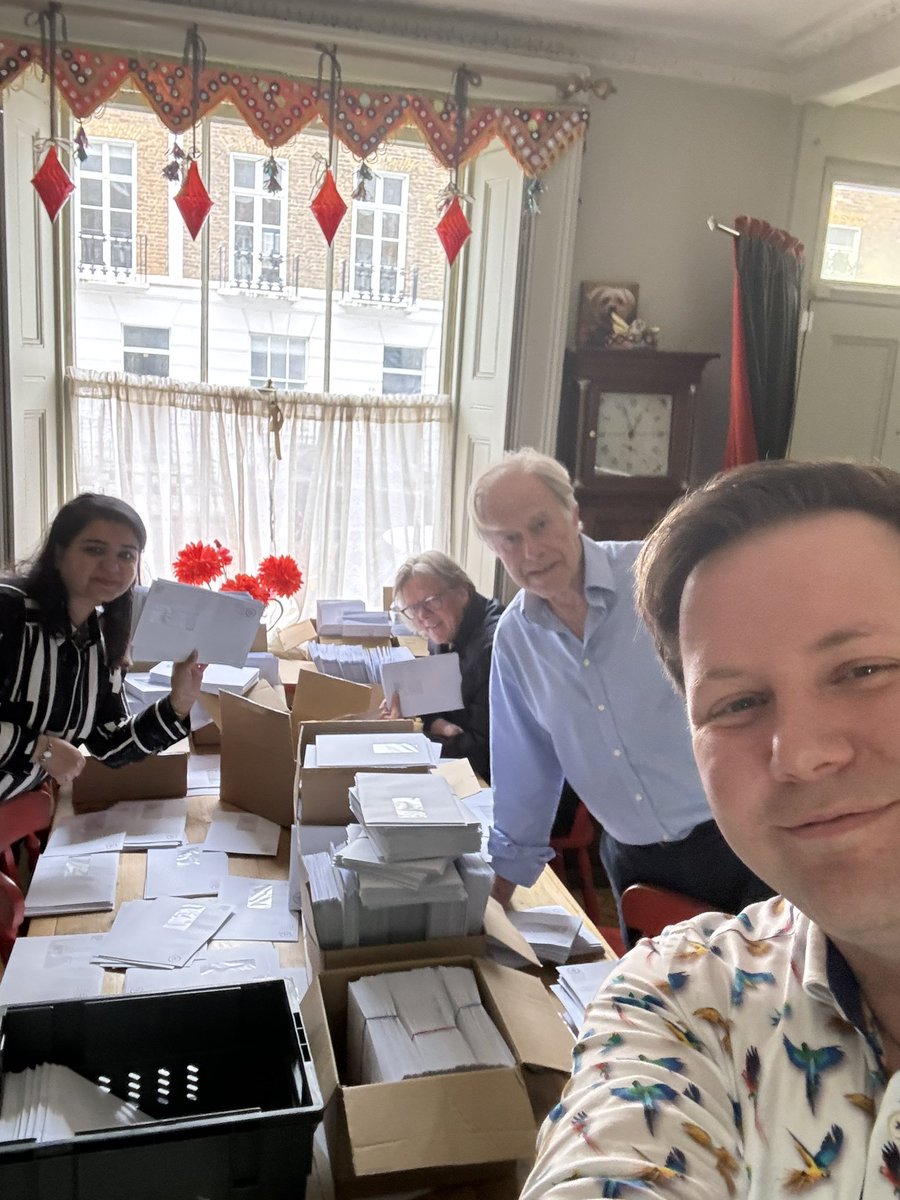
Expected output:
(249, 584)
(280, 574)
(223, 552)
(198, 563)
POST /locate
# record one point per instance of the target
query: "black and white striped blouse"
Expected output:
(62, 685)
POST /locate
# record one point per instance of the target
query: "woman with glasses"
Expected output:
(439, 600)
(65, 626)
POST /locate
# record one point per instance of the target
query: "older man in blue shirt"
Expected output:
(577, 693)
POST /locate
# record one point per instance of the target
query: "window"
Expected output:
(106, 207)
(402, 374)
(257, 226)
(146, 350)
(279, 359)
(379, 238)
(841, 252)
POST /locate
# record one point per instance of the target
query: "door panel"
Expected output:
(848, 398)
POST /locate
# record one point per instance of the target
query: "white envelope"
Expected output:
(429, 684)
(178, 618)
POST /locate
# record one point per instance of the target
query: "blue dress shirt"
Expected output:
(598, 712)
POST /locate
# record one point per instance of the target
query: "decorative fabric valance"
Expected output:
(277, 108)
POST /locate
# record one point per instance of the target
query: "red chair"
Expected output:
(24, 818)
(650, 909)
(12, 914)
(580, 838)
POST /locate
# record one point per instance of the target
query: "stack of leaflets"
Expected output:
(382, 750)
(359, 664)
(63, 884)
(166, 932)
(51, 1103)
(360, 854)
(334, 616)
(184, 871)
(421, 1022)
(413, 816)
(52, 968)
(551, 931)
(578, 984)
(216, 678)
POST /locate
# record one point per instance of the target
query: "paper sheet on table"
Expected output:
(178, 618)
(424, 685)
(242, 833)
(261, 910)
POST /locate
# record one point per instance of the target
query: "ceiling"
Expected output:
(830, 51)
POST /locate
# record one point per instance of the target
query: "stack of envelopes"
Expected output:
(421, 1022)
(412, 817)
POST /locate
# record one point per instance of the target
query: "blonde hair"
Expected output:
(527, 461)
(433, 562)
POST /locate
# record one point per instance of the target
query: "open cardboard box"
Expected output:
(386, 1138)
(160, 776)
(259, 736)
(323, 790)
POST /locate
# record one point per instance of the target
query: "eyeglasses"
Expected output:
(429, 604)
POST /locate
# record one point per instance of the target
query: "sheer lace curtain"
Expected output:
(363, 481)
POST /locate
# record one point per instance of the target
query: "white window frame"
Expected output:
(854, 174)
(379, 210)
(257, 194)
(387, 371)
(851, 250)
(105, 268)
(280, 384)
(133, 349)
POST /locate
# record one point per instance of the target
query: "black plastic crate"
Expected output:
(227, 1072)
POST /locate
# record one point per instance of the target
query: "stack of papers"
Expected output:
(243, 833)
(261, 911)
(142, 691)
(335, 905)
(81, 883)
(52, 1103)
(216, 678)
(166, 932)
(413, 816)
(550, 931)
(578, 984)
(52, 968)
(429, 684)
(185, 871)
(383, 750)
(86, 834)
(422, 1022)
(359, 664)
(360, 854)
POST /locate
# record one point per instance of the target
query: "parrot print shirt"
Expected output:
(731, 1058)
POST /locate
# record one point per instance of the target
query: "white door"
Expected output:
(488, 310)
(32, 355)
(848, 400)
(848, 393)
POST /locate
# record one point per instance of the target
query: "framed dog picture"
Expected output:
(603, 309)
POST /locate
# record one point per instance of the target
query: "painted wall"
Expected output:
(662, 155)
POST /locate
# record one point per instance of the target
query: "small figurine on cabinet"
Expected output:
(607, 318)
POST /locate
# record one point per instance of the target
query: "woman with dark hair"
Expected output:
(65, 624)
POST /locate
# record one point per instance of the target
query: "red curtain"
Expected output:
(765, 321)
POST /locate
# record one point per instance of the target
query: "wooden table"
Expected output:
(130, 886)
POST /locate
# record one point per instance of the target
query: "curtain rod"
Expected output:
(713, 223)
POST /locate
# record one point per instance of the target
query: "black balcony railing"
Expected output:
(256, 272)
(102, 256)
(386, 285)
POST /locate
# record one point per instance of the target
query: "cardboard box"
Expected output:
(323, 790)
(160, 776)
(207, 737)
(435, 1131)
(259, 737)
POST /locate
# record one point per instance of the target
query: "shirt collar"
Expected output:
(599, 586)
(828, 977)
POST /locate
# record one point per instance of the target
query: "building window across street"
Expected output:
(379, 236)
(280, 359)
(146, 350)
(402, 373)
(106, 208)
(257, 226)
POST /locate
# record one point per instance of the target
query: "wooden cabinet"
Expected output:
(626, 430)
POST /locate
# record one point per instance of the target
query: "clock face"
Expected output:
(633, 432)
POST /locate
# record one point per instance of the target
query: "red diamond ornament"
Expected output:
(193, 200)
(453, 229)
(328, 208)
(52, 183)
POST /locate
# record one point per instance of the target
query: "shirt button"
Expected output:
(894, 1125)
(617, 753)
(638, 797)
(585, 662)
(601, 708)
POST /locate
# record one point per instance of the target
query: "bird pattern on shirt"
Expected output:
(716, 1019)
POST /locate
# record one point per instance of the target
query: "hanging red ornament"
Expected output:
(327, 207)
(193, 200)
(453, 229)
(52, 183)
